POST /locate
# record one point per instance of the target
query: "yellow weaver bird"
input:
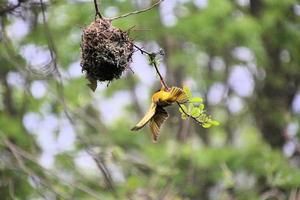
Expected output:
(156, 114)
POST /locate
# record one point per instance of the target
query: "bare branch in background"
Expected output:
(38, 180)
(100, 163)
(11, 7)
(53, 55)
(102, 166)
(50, 41)
(137, 11)
(21, 154)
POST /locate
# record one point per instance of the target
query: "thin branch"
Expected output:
(137, 11)
(50, 41)
(24, 154)
(195, 119)
(142, 50)
(101, 165)
(53, 54)
(97, 10)
(152, 56)
(98, 160)
(160, 77)
(11, 8)
(51, 46)
(35, 178)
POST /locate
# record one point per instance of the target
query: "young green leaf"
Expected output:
(152, 59)
(187, 91)
(196, 100)
(215, 123)
(206, 125)
(184, 116)
(201, 107)
(195, 112)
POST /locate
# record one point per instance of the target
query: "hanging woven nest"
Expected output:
(106, 52)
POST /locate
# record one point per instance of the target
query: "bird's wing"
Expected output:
(146, 118)
(177, 94)
(156, 121)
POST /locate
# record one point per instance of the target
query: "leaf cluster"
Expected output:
(196, 110)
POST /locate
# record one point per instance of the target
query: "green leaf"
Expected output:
(184, 116)
(190, 108)
(132, 183)
(206, 125)
(195, 112)
(152, 59)
(187, 91)
(215, 123)
(201, 107)
(196, 100)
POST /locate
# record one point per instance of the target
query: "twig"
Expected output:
(152, 56)
(142, 50)
(97, 10)
(100, 164)
(22, 153)
(10, 8)
(137, 11)
(161, 78)
(37, 179)
(53, 54)
(99, 161)
(195, 119)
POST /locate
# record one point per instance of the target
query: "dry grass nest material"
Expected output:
(106, 52)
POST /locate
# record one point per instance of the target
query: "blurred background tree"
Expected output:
(59, 140)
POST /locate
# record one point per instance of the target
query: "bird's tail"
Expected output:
(177, 94)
